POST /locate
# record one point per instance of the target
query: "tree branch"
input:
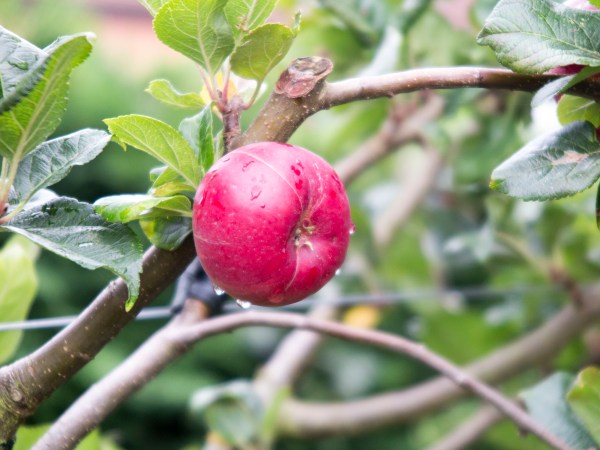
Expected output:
(303, 419)
(282, 115)
(162, 348)
(178, 337)
(469, 431)
(27, 382)
(461, 379)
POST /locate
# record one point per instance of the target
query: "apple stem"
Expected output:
(231, 120)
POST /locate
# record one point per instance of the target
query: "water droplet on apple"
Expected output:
(255, 192)
(218, 290)
(352, 229)
(337, 272)
(244, 304)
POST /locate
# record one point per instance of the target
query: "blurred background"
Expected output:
(462, 264)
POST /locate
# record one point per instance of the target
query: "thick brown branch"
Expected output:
(136, 371)
(281, 115)
(27, 382)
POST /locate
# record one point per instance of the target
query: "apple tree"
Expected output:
(457, 194)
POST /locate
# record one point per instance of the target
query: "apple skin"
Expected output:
(271, 223)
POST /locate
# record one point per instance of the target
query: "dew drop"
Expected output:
(337, 272)
(352, 229)
(85, 244)
(244, 304)
(218, 290)
(255, 192)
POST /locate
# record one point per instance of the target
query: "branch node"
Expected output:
(302, 75)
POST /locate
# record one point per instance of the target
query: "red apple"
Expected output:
(271, 223)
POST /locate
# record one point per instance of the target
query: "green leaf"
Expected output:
(536, 36)
(551, 90)
(159, 140)
(52, 160)
(584, 398)
(547, 405)
(245, 15)
(197, 29)
(556, 165)
(261, 50)
(34, 109)
(27, 436)
(74, 231)
(18, 283)
(125, 208)
(166, 233)
(198, 131)
(572, 108)
(17, 57)
(167, 183)
(153, 5)
(233, 410)
(163, 91)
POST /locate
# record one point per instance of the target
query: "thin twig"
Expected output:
(469, 431)
(91, 408)
(315, 419)
(418, 183)
(380, 339)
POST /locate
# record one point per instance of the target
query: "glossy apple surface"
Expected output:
(271, 223)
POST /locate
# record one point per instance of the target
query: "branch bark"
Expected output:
(27, 382)
(94, 406)
(282, 115)
(162, 348)
(462, 380)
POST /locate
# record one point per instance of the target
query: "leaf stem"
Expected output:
(211, 85)
(4, 186)
(8, 174)
(254, 94)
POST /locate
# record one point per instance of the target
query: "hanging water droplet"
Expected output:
(352, 229)
(337, 272)
(218, 290)
(244, 304)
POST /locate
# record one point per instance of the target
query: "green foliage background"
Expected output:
(456, 240)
